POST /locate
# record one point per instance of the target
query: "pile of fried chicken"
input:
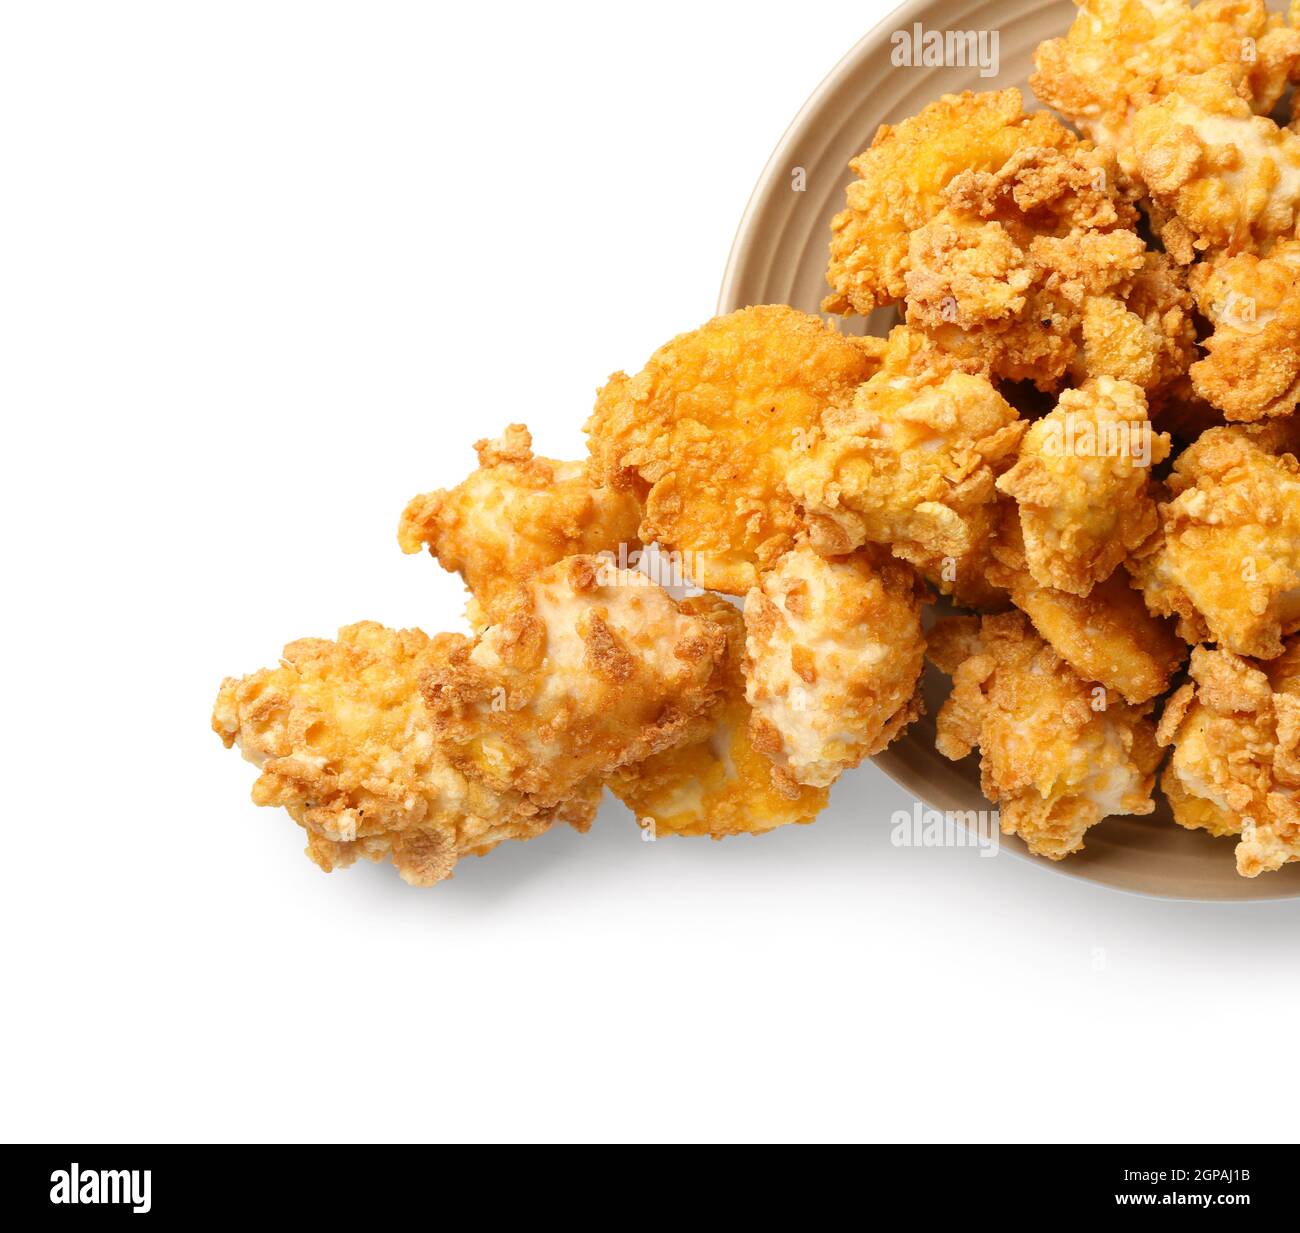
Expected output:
(1083, 432)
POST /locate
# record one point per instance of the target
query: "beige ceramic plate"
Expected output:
(780, 258)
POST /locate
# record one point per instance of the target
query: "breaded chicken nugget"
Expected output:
(1002, 276)
(1223, 179)
(704, 433)
(590, 668)
(1226, 560)
(1082, 482)
(911, 462)
(1121, 55)
(340, 734)
(900, 184)
(1058, 755)
(717, 784)
(1108, 637)
(1147, 335)
(833, 661)
(1235, 768)
(514, 516)
(1252, 366)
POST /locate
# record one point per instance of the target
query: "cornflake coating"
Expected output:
(704, 434)
(1222, 179)
(1108, 636)
(341, 737)
(1252, 366)
(717, 784)
(514, 516)
(1147, 337)
(1226, 560)
(911, 462)
(900, 184)
(1003, 276)
(833, 661)
(1235, 768)
(1082, 483)
(590, 668)
(1122, 55)
(1058, 755)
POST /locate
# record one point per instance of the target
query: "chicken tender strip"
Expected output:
(833, 661)
(911, 462)
(513, 517)
(1252, 365)
(589, 669)
(1226, 560)
(1235, 768)
(900, 184)
(341, 737)
(1122, 55)
(718, 784)
(1223, 179)
(1082, 483)
(1108, 637)
(1058, 755)
(705, 432)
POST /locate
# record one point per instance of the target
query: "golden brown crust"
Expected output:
(514, 516)
(1235, 767)
(589, 669)
(833, 661)
(705, 432)
(343, 743)
(720, 783)
(1058, 755)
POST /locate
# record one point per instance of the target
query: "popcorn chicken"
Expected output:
(513, 517)
(589, 669)
(343, 743)
(1122, 55)
(705, 432)
(900, 184)
(833, 661)
(716, 784)
(1147, 336)
(911, 462)
(1058, 755)
(1252, 365)
(1235, 767)
(1082, 483)
(1226, 560)
(1108, 636)
(1223, 179)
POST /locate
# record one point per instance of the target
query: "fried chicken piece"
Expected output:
(1226, 560)
(1002, 275)
(1058, 755)
(1108, 637)
(833, 661)
(1235, 769)
(341, 737)
(589, 668)
(513, 517)
(717, 784)
(911, 462)
(705, 431)
(1082, 483)
(901, 178)
(1223, 179)
(1252, 365)
(1147, 336)
(1122, 55)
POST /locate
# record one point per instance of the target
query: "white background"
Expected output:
(268, 270)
